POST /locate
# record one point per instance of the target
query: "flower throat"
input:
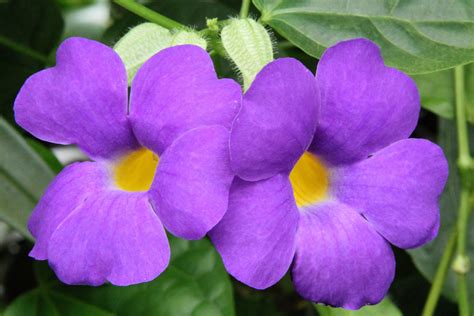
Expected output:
(309, 179)
(135, 171)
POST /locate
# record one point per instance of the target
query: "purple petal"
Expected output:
(397, 190)
(256, 236)
(192, 182)
(177, 90)
(113, 236)
(277, 121)
(365, 105)
(70, 188)
(82, 100)
(340, 259)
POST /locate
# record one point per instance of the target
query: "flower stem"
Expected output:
(149, 14)
(24, 50)
(244, 9)
(461, 261)
(440, 277)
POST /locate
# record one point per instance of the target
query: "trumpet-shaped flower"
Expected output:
(326, 192)
(159, 160)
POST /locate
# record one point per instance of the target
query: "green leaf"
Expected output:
(249, 46)
(437, 92)
(51, 303)
(428, 257)
(145, 40)
(34, 28)
(195, 283)
(416, 36)
(23, 178)
(385, 308)
(46, 154)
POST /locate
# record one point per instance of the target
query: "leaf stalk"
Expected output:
(244, 9)
(149, 14)
(461, 261)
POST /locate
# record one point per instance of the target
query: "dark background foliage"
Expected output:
(196, 282)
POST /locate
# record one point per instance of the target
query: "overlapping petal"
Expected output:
(82, 100)
(340, 259)
(177, 90)
(397, 190)
(277, 121)
(256, 237)
(112, 236)
(191, 186)
(69, 190)
(365, 105)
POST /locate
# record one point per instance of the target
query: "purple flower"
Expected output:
(103, 220)
(329, 206)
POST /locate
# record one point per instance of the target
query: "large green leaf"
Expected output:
(416, 36)
(385, 308)
(23, 178)
(437, 92)
(30, 26)
(428, 257)
(195, 284)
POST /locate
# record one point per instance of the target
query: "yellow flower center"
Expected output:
(135, 171)
(309, 179)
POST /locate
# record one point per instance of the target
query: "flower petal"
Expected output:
(113, 236)
(177, 90)
(340, 259)
(397, 190)
(192, 182)
(70, 188)
(256, 236)
(82, 100)
(365, 105)
(277, 121)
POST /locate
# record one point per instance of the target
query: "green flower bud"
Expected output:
(249, 46)
(147, 39)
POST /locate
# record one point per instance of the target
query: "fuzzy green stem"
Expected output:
(24, 50)
(461, 262)
(244, 9)
(461, 122)
(463, 295)
(149, 14)
(440, 277)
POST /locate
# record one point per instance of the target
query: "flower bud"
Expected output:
(249, 46)
(147, 39)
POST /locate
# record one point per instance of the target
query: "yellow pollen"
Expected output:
(309, 179)
(135, 171)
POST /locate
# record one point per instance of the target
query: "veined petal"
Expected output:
(277, 121)
(177, 90)
(68, 190)
(256, 237)
(340, 259)
(112, 236)
(365, 105)
(191, 186)
(397, 190)
(82, 100)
